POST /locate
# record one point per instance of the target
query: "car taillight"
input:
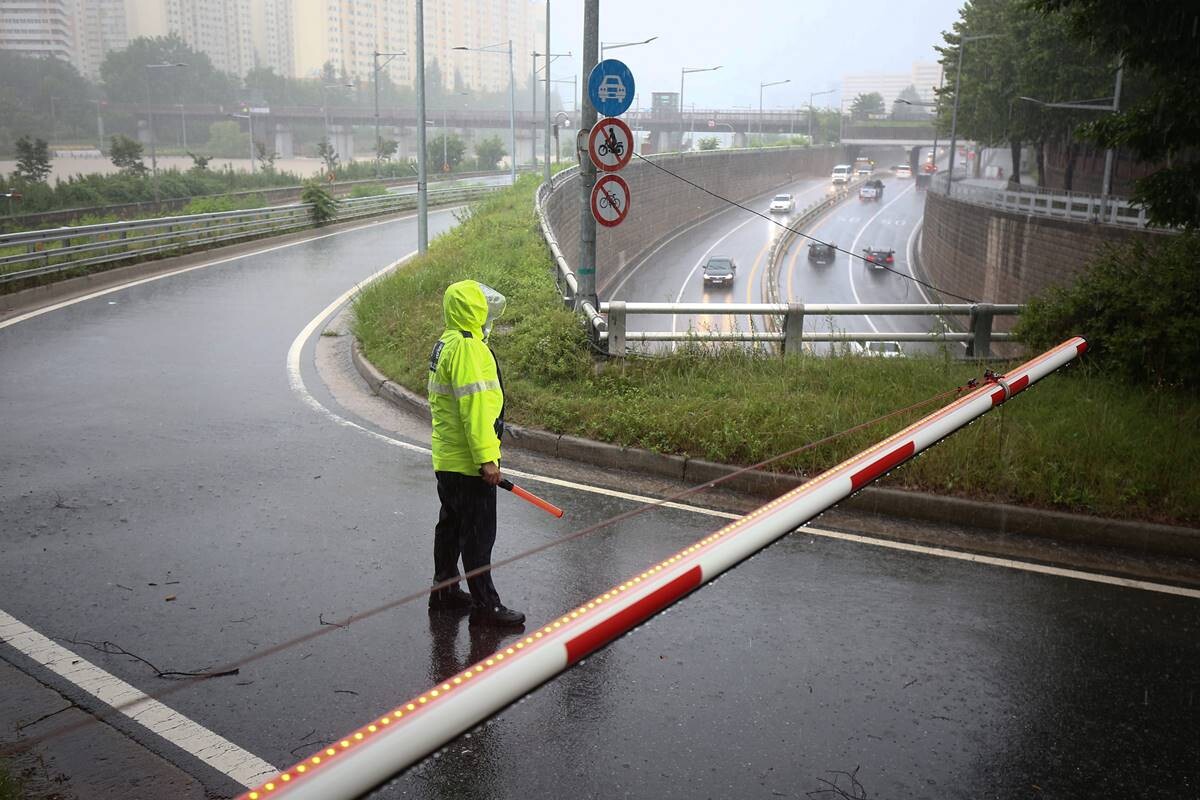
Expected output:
(889, 259)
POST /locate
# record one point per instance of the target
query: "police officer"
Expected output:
(466, 399)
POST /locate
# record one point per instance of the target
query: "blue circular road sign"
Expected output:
(611, 87)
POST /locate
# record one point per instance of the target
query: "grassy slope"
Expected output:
(1075, 442)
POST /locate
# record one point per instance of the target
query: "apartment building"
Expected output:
(38, 27)
(924, 76)
(100, 27)
(218, 28)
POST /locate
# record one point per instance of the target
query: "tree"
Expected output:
(710, 143)
(1032, 56)
(326, 153)
(266, 156)
(455, 148)
(26, 89)
(125, 76)
(226, 139)
(866, 104)
(33, 160)
(489, 151)
(199, 162)
(126, 154)
(385, 149)
(1156, 42)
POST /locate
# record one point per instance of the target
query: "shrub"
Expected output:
(368, 190)
(324, 208)
(1138, 308)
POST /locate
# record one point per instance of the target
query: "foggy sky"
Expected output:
(813, 42)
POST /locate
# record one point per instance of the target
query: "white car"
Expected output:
(783, 204)
(842, 173)
(884, 349)
(612, 88)
(903, 171)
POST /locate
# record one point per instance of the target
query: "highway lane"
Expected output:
(673, 272)
(154, 448)
(890, 224)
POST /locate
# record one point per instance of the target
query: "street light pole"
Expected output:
(811, 95)
(512, 98)
(549, 61)
(761, 86)
(150, 123)
(249, 117)
(422, 174)
(182, 126)
(683, 74)
(962, 45)
(617, 45)
(376, 67)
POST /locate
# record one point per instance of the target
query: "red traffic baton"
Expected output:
(530, 497)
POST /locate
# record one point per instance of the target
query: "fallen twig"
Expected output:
(113, 649)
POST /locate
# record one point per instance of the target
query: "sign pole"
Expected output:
(422, 177)
(587, 170)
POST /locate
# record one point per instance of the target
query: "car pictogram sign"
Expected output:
(611, 87)
(610, 200)
(610, 144)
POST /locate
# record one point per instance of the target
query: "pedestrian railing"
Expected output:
(33, 253)
(1074, 206)
(787, 329)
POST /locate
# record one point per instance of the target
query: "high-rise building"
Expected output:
(100, 27)
(272, 23)
(218, 28)
(924, 77)
(345, 33)
(38, 28)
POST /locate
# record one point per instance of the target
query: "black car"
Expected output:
(821, 253)
(719, 271)
(879, 259)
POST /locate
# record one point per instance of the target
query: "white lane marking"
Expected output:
(298, 386)
(854, 249)
(173, 273)
(1024, 566)
(191, 737)
(908, 256)
(687, 281)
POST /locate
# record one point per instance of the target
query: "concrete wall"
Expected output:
(1004, 257)
(662, 204)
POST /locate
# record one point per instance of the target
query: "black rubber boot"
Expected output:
(497, 616)
(452, 598)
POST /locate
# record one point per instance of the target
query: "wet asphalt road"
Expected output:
(151, 437)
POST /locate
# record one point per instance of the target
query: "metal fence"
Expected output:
(33, 253)
(1074, 206)
(786, 324)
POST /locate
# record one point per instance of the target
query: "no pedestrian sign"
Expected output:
(610, 200)
(610, 144)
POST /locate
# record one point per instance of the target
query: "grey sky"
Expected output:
(813, 42)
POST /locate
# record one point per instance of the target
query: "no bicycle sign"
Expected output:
(610, 200)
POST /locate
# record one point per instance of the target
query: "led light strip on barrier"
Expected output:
(399, 738)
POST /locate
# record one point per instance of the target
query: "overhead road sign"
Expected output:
(610, 200)
(611, 87)
(610, 144)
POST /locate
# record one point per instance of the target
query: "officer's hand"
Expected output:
(491, 473)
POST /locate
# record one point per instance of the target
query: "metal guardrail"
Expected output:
(790, 326)
(567, 282)
(33, 253)
(1073, 206)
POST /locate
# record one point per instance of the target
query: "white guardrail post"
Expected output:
(616, 328)
(793, 330)
(981, 330)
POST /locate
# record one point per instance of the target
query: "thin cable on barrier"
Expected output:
(330, 626)
(786, 227)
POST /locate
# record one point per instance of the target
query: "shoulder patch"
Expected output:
(437, 353)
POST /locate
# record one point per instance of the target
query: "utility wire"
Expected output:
(328, 626)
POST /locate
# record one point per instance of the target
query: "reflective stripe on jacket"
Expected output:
(465, 395)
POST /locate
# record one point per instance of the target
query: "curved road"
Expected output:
(169, 487)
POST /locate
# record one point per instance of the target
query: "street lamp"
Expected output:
(615, 45)
(376, 66)
(182, 126)
(811, 95)
(962, 45)
(325, 103)
(249, 117)
(1113, 106)
(446, 136)
(512, 108)
(550, 58)
(935, 132)
(683, 73)
(150, 121)
(762, 86)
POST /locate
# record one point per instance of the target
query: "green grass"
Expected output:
(10, 787)
(1078, 441)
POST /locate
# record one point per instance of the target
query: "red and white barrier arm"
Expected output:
(399, 738)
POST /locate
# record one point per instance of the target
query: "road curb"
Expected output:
(1143, 538)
